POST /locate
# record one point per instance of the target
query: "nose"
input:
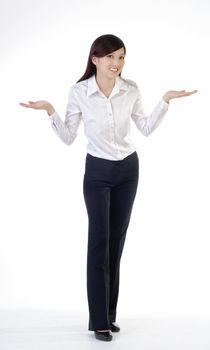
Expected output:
(116, 63)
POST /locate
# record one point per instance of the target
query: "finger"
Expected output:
(191, 92)
(28, 105)
(24, 104)
(194, 91)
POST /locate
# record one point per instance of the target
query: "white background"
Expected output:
(44, 46)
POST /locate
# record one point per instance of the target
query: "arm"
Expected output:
(66, 130)
(147, 124)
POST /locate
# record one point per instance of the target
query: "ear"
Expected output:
(94, 59)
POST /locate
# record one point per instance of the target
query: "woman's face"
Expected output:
(111, 65)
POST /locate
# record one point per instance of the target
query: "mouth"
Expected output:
(115, 70)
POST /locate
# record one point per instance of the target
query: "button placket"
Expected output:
(111, 121)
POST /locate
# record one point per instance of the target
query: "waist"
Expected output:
(131, 156)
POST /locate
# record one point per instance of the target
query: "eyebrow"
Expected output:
(112, 53)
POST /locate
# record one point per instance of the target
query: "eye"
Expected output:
(122, 57)
(110, 55)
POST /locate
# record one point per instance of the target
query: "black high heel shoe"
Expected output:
(105, 336)
(114, 327)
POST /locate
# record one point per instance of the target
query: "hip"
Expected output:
(112, 170)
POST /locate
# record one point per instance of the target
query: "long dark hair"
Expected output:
(102, 46)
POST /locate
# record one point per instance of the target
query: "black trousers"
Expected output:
(109, 190)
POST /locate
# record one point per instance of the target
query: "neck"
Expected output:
(105, 85)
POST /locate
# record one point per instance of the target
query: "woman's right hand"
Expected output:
(39, 105)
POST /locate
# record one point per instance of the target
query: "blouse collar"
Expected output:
(93, 87)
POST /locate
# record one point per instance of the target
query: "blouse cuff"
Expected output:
(53, 116)
(164, 104)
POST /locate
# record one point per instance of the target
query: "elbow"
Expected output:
(144, 127)
(69, 140)
(67, 143)
(146, 131)
(146, 134)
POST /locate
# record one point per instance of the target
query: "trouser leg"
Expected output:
(121, 203)
(109, 192)
(97, 200)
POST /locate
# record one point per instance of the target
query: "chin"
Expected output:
(114, 75)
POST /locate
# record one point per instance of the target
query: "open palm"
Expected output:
(42, 104)
(175, 94)
(36, 104)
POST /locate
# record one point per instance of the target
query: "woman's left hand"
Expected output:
(175, 94)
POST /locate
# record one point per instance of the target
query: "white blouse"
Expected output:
(106, 119)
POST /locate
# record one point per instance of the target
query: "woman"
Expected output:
(106, 102)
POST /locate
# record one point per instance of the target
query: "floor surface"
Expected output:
(66, 330)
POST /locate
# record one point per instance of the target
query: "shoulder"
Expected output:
(130, 85)
(129, 82)
(78, 90)
(80, 86)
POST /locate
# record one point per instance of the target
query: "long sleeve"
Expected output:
(67, 130)
(147, 124)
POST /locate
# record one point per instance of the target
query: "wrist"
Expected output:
(166, 99)
(50, 110)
